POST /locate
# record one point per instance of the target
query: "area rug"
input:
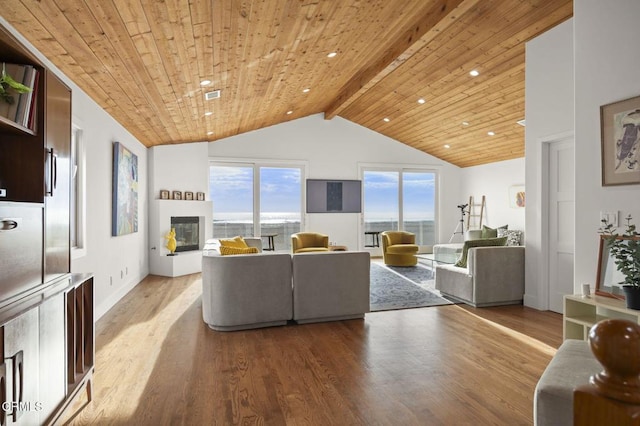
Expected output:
(399, 288)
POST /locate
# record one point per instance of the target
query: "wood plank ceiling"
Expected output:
(143, 61)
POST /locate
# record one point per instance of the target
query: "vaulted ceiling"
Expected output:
(401, 67)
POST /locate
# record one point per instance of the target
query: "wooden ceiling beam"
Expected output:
(437, 19)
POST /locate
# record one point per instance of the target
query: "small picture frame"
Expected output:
(188, 195)
(200, 196)
(164, 194)
(620, 147)
(177, 195)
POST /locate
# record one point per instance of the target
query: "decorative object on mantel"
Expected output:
(200, 196)
(177, 195)
(188, 195)
(623, 250)
(620, 127)
(164, 194)
(124, 210)
(516, 196)
(171, 242)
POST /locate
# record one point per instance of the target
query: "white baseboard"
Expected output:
(103, 307)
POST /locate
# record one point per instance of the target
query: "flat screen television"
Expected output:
(334, 196)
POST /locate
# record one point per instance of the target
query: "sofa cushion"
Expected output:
(225, 250)
(514, 238)
(486, 242)
(491, 232)
(237, 242)
(402, 248)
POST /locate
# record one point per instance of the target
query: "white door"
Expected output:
(561, 222)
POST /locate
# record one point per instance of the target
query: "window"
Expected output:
(401, 199)
(77, 198)
(256, 200)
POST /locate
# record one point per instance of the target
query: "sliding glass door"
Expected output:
(256, 200)
(280, 204)
(231, 190)
(400, 199)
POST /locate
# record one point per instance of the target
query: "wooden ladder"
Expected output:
(474, 219)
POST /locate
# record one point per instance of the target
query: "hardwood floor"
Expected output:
(158, 363)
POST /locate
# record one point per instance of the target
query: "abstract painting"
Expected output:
(124, 216)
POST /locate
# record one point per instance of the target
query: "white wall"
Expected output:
(118, 263)
(336, 149)
(549, 117)
(606, 70)
(493, 181)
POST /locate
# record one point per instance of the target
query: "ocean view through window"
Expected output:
(250, 197)
(401, 200)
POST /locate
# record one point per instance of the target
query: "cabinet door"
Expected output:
(52, 355)
(58, 177)
(21, 355)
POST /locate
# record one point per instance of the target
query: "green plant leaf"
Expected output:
(18, 87)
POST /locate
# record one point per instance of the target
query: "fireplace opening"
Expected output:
(187, 232)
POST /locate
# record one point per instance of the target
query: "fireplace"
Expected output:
(187, 232)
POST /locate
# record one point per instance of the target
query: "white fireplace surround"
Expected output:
(183, 263)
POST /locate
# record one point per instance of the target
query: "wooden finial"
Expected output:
(616, 344)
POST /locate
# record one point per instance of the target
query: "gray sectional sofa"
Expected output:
(268, 289)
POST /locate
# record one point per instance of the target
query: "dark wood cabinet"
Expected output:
(46, 313)
(57, 178)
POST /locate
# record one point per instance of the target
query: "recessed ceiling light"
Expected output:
(421, 101)
(474, 73)
(447, 146)
(332, 55)
(491, 133)
(205, 82)
(465, 123)
(289, 112)
(386, 119)
(208, 113)
(306, 90)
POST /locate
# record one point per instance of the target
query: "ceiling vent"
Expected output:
(212, 95)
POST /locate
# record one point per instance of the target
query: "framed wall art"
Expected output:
(609, 279)
(164, 194)
(516, 196)
(124, 205)
(188, 195)
(177, 195)
(200, 196)
(620, 139)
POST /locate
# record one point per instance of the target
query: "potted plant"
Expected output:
(7, 83)
(625, 250)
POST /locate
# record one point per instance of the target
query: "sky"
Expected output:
(280, 191)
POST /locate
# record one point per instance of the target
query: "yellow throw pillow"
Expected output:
(225, 250)
(237, 242)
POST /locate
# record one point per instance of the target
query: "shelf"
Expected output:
(581, 313)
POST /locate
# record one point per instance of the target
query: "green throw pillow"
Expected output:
(487, 242)
(491, 232)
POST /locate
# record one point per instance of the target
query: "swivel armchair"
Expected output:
(304, 242)
(399, 248)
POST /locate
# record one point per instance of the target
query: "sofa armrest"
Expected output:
(498, 274)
